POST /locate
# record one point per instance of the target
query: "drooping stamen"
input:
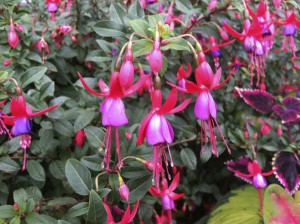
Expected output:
(171, 159)
(120, 163)
(212, 137)
(25, 159)
(222, 136)
(3, 129)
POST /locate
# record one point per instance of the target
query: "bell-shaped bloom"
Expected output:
(156, 58)
(127, 71)
(215, 49)
(127, 216)
(12, 38)
(167, 195)
(249, 171)
(113, 109)
(22, 125)
(157, 130)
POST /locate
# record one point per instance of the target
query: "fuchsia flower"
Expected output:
(290, 25)
(43, 47)
(52, 6)
(205, 108)
(59, 33)
(251, 38)
(22, 125)
(127, 216)
(181, 78)
(113, 109)
(215, 49)
(157, 130)
(249, 171)
(13, 38)
(167, 196)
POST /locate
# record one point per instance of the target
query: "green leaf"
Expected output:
(92, 162)
(205, 153)
(35, 218)
(136, 10)
(79, 177)
(239, 207)
(8, 165)
(178, 44)
(20, 196)
(36, 171)
(32, 74)
(57, 169)
(61, 201)
(98, 56)
(34, 193)
(108, 28)
(94, 136)
(97, 213)
(15, 220)
(7, 211)
(47, 90)
(142, 47)
(138, 187)
(117, 12)
(188, 158)
(64, 128)
(79, 209)
(84, 119)
(279, 206)
(140, 26)
(184, 6)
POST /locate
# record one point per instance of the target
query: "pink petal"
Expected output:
(212, 106)
(113, 112)
(167, 130)
(201, 109)
(154, 133)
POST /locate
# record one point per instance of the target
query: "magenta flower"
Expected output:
(13, 38)
(249, 171)
(212, 4)
(168, 196)
(157, 130)
(113, 110)
(22, 125)
(181, 78)
(6, 62)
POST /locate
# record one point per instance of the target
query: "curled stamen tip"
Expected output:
(102, 165)
(172, 164)
(100, 149)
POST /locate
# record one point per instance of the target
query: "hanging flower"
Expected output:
(127, 217)
(249, 171)
(113, 110)
(157, 130)
(167, 195)
(22, 125)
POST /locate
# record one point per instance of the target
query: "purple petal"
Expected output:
(22, 125)
(52, 7)
(260, 100)
(167, 130)
(167, 202)
(287, 170)
(259, 181)
(154, 134)
(289, 29)
(201, 108)
(113, 112)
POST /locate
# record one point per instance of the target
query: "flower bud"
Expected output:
(13, 38)
(6, 62)
(223, 34)
(127, 71)
(279, 131)
(124, 191)
(16, 207)
(20, 28)
(156, 58)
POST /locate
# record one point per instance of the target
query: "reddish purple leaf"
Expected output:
(260, 100)
(240, 166)
(284, 114)
(292, 103)
(286, 166)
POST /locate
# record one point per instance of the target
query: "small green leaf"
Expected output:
(36, 171)
(8, 165)
(20, 197)
(94, 136)
(97, 213)
(142, 47)
(140, 26)
(15, 220)
(61, 201)
(84, 119)
(34, 193)
(178, 44)
(92, 162)
(64, 128)
(184, 6)
(117, 12)
(7, 211)
(79, 209)
(139, 187)
(188, 158)
(135, 10)
(35, 218)
(108, 28)
(32, 74)
(79, 177)
(57, 169)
